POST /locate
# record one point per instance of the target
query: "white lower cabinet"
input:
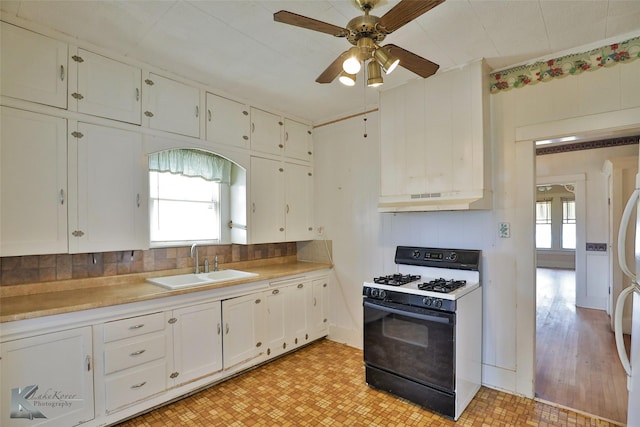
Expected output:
(132, 355)
(126, 359)
(47, 380)
(296, 314)
(197, 342)
(318, 303)
(243, 331)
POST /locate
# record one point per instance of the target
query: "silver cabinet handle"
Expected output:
(253, 207)
(197, 111)
(61, 196)
(138, 199)
(253, 127)
(315, 302)
(137, 94)
(137, 353)
(62, 73)
(137, 326)
(287, 207)
(226, 329)
(209, 114)
(139, 385)
(275, 292)
(286, 136)
(300, 285)
(218, 328)
(87, 362)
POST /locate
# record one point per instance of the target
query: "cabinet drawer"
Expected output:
(122, 390)
(123, 355)
(133, 327)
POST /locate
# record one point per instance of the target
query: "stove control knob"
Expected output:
(416, 254)
(438, 303)
(374, 293)
(453, 256)
(426, 301)
(382, 293)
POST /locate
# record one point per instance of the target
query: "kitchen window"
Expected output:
(189, 195)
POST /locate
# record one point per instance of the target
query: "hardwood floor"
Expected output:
(577, 365)
(323, 385)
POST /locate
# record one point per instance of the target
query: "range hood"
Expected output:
(444, 201)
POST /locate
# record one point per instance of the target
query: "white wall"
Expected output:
(363, 240)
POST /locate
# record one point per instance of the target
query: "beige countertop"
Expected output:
(30, 301)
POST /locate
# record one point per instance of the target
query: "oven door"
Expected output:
(413, 342)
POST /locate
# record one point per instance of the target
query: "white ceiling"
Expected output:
(237, 48)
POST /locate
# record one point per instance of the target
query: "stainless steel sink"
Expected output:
(181, 281)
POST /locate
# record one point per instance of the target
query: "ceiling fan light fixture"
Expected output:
(347, 79)
(386, 60)
(374, 76)
(351, 65)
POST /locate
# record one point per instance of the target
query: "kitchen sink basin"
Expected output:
(181, 281)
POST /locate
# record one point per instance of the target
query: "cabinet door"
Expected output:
(299, 197)
(109, 212)
(267, 201)
(107, 88)
(34, 67)
(276, 302)
(297, 140)
(318, 308)
(266, 129)
(47, 380)
(197, 341)
(297, 330)
(227, 121)
(33, 177)
(243, 331)
(172, 106)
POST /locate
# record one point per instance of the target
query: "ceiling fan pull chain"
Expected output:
(364, 105)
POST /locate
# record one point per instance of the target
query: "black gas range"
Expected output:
(423, 328)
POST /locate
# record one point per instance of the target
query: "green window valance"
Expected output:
(193, 163)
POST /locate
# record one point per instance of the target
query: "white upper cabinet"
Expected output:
(228, 121)
(106, 88)
(34, 67)
(281, 201)
(297, 140)
(435, 155)
(33, 197)
(298, 202)
(172, 106)
(266, 132)
(267, 201)
(108, 207)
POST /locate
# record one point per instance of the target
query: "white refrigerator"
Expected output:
(632, 364)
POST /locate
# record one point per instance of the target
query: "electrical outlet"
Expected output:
(504, 230)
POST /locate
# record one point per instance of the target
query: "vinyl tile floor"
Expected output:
(323, 385)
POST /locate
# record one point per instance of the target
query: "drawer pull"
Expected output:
(275, 292)
(139, 385)
(137, 353)
(137, 326)
(300, 285)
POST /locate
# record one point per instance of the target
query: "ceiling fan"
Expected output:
(365, 33)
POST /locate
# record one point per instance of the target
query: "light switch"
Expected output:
(505, 230)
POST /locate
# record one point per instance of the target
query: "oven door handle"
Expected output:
(407, 312)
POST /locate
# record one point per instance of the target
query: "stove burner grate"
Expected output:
(396, 279)
(442, 285)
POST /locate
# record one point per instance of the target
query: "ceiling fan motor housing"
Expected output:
(364, 26)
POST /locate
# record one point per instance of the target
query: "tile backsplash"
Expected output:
(46, 268)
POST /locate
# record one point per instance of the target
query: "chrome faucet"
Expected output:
(215, 263)
(194, 248)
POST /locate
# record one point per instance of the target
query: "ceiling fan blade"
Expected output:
(412, 62)
(309, 23)
(332, 70)
(405, 12)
